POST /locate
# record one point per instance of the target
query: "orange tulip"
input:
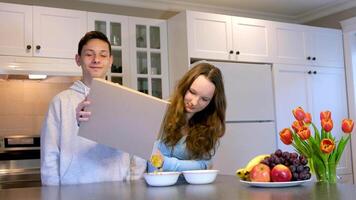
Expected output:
(327, 145)
(327, 125)
(325, 115)
(286, 136)
(297, 126)
(308, 118)
(304, 134)
(299, 113)
(347, 125)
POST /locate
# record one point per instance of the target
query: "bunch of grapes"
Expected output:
(296, 163)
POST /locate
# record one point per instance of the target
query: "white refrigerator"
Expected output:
(250, 118)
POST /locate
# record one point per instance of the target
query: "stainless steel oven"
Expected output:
(19, 161)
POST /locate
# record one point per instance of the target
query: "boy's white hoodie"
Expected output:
(67, 158)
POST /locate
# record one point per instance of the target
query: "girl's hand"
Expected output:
(157, 159)
(81, 114)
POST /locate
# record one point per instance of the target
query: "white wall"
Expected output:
(349, 33)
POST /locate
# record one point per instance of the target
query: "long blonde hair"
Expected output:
(205, 127)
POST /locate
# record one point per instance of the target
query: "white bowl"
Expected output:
(200, 176)
(161, 178)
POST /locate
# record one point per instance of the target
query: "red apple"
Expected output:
(281, 173)
(260, 173)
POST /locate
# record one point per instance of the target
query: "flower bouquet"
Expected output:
(322, 150)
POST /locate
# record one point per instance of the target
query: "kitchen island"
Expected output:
(224, 187)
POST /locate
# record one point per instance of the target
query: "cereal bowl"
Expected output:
(200, 176)
(161, 178)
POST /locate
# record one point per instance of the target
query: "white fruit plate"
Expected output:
(274, 184)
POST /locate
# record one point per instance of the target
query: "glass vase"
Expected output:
(324, 171)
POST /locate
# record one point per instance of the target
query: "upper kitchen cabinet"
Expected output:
(197, 35)
(326, 47)
(16, 38)
(252, 40)
(115, 27)
(297, 44)
(149, 56)
(40, 31)
(209, 36)
(139, 48)
(221, 37)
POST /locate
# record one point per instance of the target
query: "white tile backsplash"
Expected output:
(24, 103)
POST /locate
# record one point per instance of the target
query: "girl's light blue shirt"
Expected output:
(177, 158)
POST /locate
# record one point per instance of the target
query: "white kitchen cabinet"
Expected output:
(149, 56)
(298, 44)
(40, 31)
(252, 40)
(326, 47)
(116, 29)
(139, 47)
(18, 32)
(196, 35)
(222, 37)
(241, 142)
(316, 89)
(248, 90)
(209, 36)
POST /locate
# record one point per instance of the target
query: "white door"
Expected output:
(248, 90)
(242, 142)
(56, 32)
(116, 28)
(291, 44)
(209, 36)
(252, 39)
(16, 30)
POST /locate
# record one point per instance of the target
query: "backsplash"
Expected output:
(24, 103)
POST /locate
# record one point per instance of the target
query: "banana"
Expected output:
(244, 173)
(241, 173)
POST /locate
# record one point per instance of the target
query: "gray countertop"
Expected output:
(224, 187)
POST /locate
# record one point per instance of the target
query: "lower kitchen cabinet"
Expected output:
(241, 142)
(316, 89)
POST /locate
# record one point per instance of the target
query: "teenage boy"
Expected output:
(67, 158)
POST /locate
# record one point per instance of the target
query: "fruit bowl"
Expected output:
(161, 178)
(200, 176)
(278, 169)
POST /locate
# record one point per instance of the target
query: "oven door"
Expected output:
(20, 162)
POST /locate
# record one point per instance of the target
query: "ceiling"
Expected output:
(299, 11)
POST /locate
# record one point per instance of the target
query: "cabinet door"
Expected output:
(16, 30)
(291, 44)
(328, 92)
(291, 90)
(241, 142)
(209, 36)
(327, 47)
(248, 90)
(252, 39)
(149, 56)
(115, 27)
(316, 89)
(56, 32)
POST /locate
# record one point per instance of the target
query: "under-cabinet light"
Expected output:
(37, 76)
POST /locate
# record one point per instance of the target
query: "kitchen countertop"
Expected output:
(224, 187)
